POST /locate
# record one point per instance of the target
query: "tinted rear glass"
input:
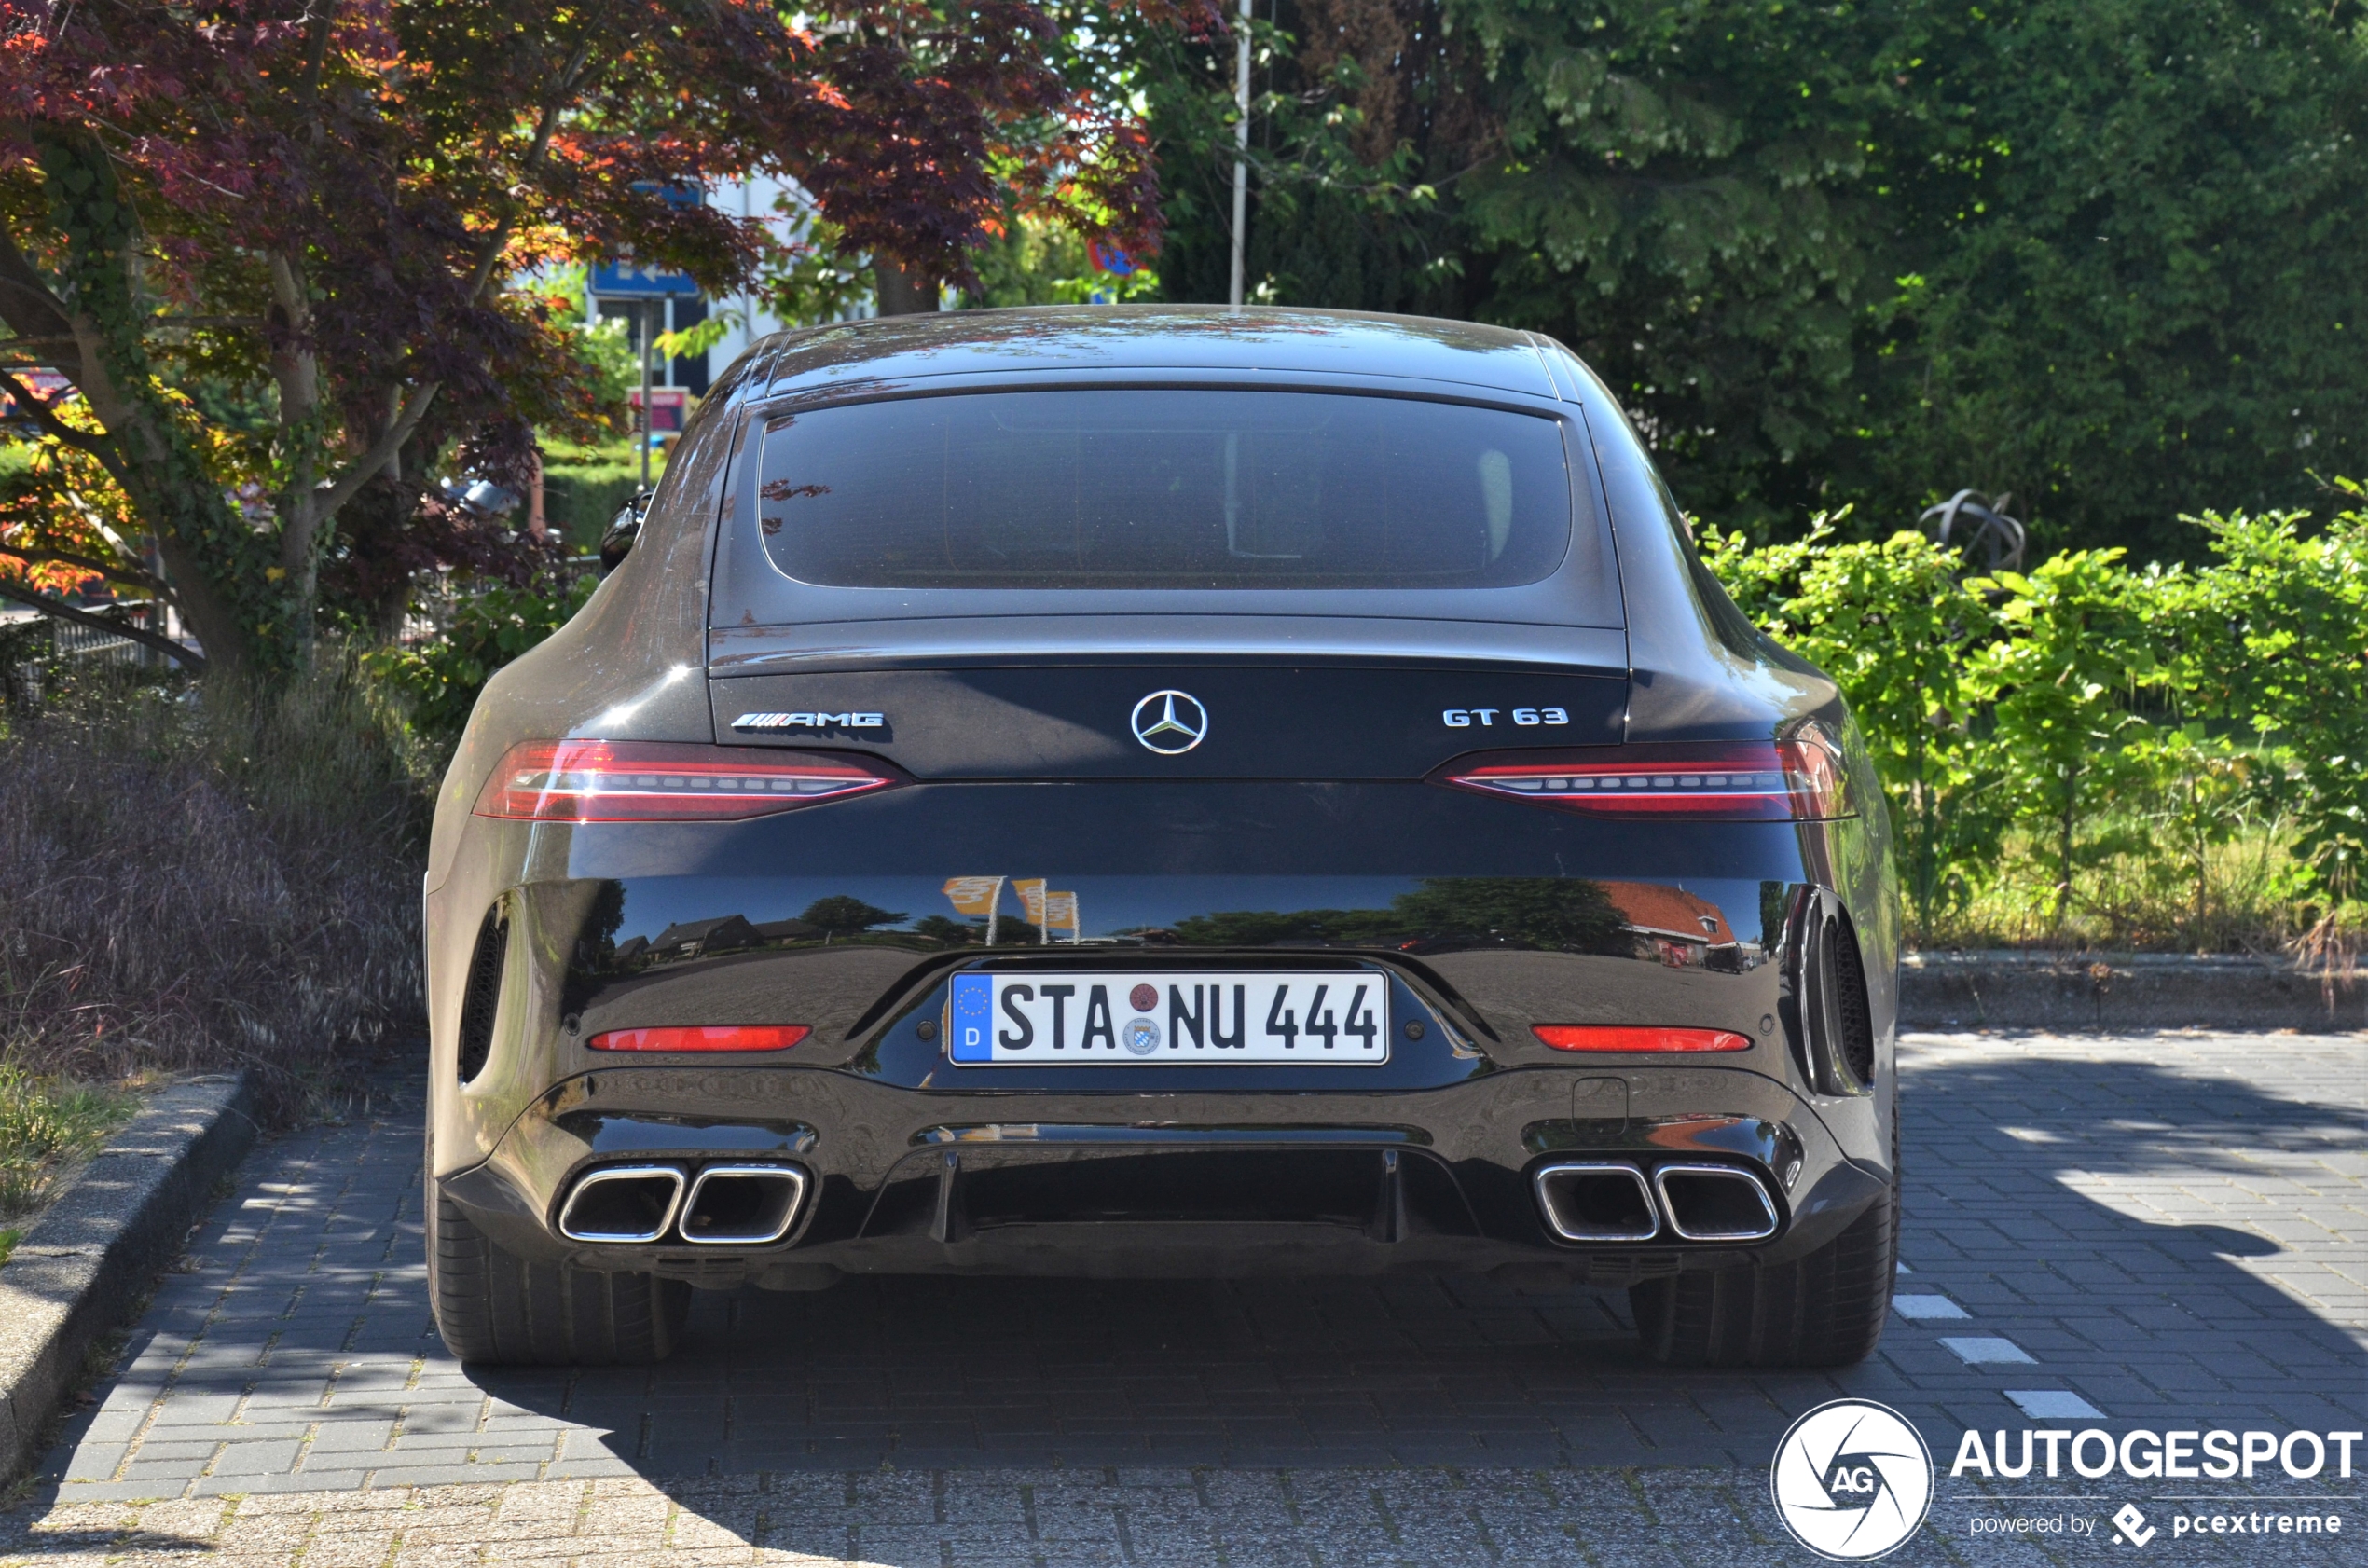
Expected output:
(1165, 489)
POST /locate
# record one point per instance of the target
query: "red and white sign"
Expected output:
(669, 407)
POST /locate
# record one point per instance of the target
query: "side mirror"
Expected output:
(624, 529)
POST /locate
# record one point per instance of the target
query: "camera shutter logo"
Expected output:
(1851, 1480)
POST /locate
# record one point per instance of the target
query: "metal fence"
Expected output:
(34, 648)
(437, 597)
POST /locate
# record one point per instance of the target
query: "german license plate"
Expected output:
(1339, 1019)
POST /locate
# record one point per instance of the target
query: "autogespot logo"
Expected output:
(1851, 1480)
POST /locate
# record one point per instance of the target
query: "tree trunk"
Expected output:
(296, 369)
(214, 559)
(2064, 845)
(2203, 843)
(901, 293)
(1927, 860)
(375, 579)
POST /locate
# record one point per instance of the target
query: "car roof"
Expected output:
(1161, 338)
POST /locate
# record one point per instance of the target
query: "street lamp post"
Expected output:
(1240, 149)
(642, 424)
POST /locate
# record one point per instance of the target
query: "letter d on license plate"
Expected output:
(1335, 1019)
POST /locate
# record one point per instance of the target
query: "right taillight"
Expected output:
(663, 781)
(1637, 1037)
(1797, 779)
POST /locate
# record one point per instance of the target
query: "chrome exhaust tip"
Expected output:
(1715, 1203)
(622, 1203)
(743, 1205)
(1596, 1201)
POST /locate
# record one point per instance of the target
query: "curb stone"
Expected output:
(2122, 992)
(122, 1218)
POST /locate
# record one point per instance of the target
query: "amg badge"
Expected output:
(810, 722)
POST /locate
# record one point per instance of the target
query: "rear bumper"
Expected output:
(899, 1180)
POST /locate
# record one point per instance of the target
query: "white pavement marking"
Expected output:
(1923, 1309)
(1977, 1350)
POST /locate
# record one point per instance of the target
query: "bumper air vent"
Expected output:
(481, 1001)
(1835, 1033)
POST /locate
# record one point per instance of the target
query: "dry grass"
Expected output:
(191, 881)
(2146, 898)
(47, 1126)
(2331, 949)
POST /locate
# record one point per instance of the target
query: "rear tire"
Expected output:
(496, 1309)
(1825, 1310)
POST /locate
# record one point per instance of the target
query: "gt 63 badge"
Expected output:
(1851, 1480)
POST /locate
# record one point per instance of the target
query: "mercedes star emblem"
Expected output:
(1170, 723)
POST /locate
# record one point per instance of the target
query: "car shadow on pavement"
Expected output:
(2170, 1228)
(2092, 1212)
(2173, 1230)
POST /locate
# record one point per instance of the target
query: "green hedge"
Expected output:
(579, 499)
(2088, 713)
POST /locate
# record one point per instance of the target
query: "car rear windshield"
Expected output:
(1165, 489)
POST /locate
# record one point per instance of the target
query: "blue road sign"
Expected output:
(632, 280)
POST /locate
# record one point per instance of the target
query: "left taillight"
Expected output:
(708, 1036)
(1797, 779)
(663, 781)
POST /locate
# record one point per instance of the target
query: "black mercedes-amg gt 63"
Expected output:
(1161, 793)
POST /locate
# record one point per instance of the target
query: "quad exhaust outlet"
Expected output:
(723, 1205)
(1715, 1204)
(1614, 1201)
(1598, 1202)
(622, 1203)
(742, 1206)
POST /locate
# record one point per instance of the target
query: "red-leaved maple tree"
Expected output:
(346, 199)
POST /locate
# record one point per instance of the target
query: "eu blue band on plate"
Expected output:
(973, 1009)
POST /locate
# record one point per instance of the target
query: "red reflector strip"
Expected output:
(712, 1037)
(653, 781)
(1623, 1036)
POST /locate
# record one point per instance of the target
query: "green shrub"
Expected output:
(2271, 641)
(439, 681)
(2113, 749)
(1892, 624)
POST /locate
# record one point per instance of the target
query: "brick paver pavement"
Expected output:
(2172, 1228)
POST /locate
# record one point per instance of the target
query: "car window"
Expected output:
(1727, 619)
(1174, 488)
